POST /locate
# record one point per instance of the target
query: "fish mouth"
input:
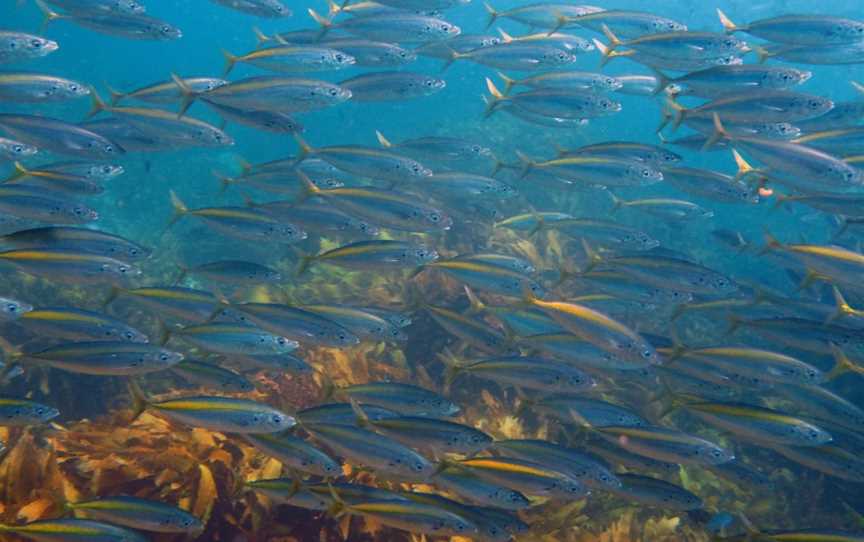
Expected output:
(50, 47)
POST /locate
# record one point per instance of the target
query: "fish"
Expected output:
(405, 399)
(605, 232)
(552, 102)
(227, 338)
(364, 324)
(672, 273)
(296, 324)
(165, 126)
(20, 412)
(11, 150)
(476, 490)
(21, 87)
(103, 358)
(373, 255)
(412, 516)
(580, 466)
(760, 363)
(800, 29)
(628, 24)
(296, 453)
(596, 170)
(208, 375)
(342, 413)
(583, 411)
(398, 27)
(483, 275)
(440, 149)
(521, 372)
(185, 304)
(573, 349)
(129, 7)
(80, 239)
(428, 434)
(386, 208)
(54, 135)
(525, 476)
(384, 455)
(20, 46)
(240, 222)
(765, 106)
(71, 266)
(665, 445)
(130, 26)
(167, 92)
(760, 424)
(370, 53)
(462, 43)
(716, 81)
(73, 529)
(478, 334)
(540, 15)
(830, 460)
(291, 59)
(142, 514)
(392, 85)
(490, 527)
(270, 121)
(365, 162)
(268, 93)
(685, 44)
(273, 9)
(53, 182)
(233, 272)
(78, 325)
(629, 150)
(31, 203)
(316, 216)
(656, 492)
(711, 184)
(215, 413)
(673, 210)
(512, 55)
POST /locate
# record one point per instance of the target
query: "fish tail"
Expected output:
(308, 189)
(20, 171)
(179, 208)
(560, 22)
(306, 261)
(245, 165)
(744, 168)
(663, 81)
(476, 305)
(719, 133)
(495, 99)
(189, 95)
(164, 333)
(305, 148)
(260, 37)
(357, 408)
(607, 51)
(383, 140)
(505, 37)
(771, 243)
(326, 24)
(493, 14)
(679, 311)
(843, 307)
(762, 54)
(617, 202)
(734, 322)
(678, 112)
(508, 82)
(116, 96)
(112, 295)
(139, 399)
(594, 258)
(857, 86)
(184, 272)
(333, 9)
(10, 355)
(48, 14)
(728, 26)
(97, 105)
(224, 180)
(527, 163)
(842, 365)
(230, 61)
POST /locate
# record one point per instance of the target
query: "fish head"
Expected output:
(398, 55)
(431, 85)
(130, 7)
(32, 46)
(166, 358)
(11, 309)
(365, 227)
(852, 30)
(604, 478)
(644, 174)
(509, 499)
(74, 89)
(444, 30)
(609, 83)
(283, 345)
(184, 522)
(559, 56)
(81, 213)
(713, 454)
(277, 9)
(811, 434)
(19, 150)
(104, 171)
(44, 413)
(816, 105)
(639, 240)
(127, 334)
(215, 137)
(165, 31)
(607, 105)
(661, 26)
(274, 421)
(328, 183)
(789, 77)
(339, 59)
(120, 271)
(438, 219)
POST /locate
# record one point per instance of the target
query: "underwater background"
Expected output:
(94, 448)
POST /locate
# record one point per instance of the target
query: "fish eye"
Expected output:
(11, 308)
(277, 419)
(165, 29)
(18, 149)
(164, 357)
(36, 44)
(333, 92)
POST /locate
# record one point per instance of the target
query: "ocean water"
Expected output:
(94, 450)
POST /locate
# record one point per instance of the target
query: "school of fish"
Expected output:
(645, 359)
